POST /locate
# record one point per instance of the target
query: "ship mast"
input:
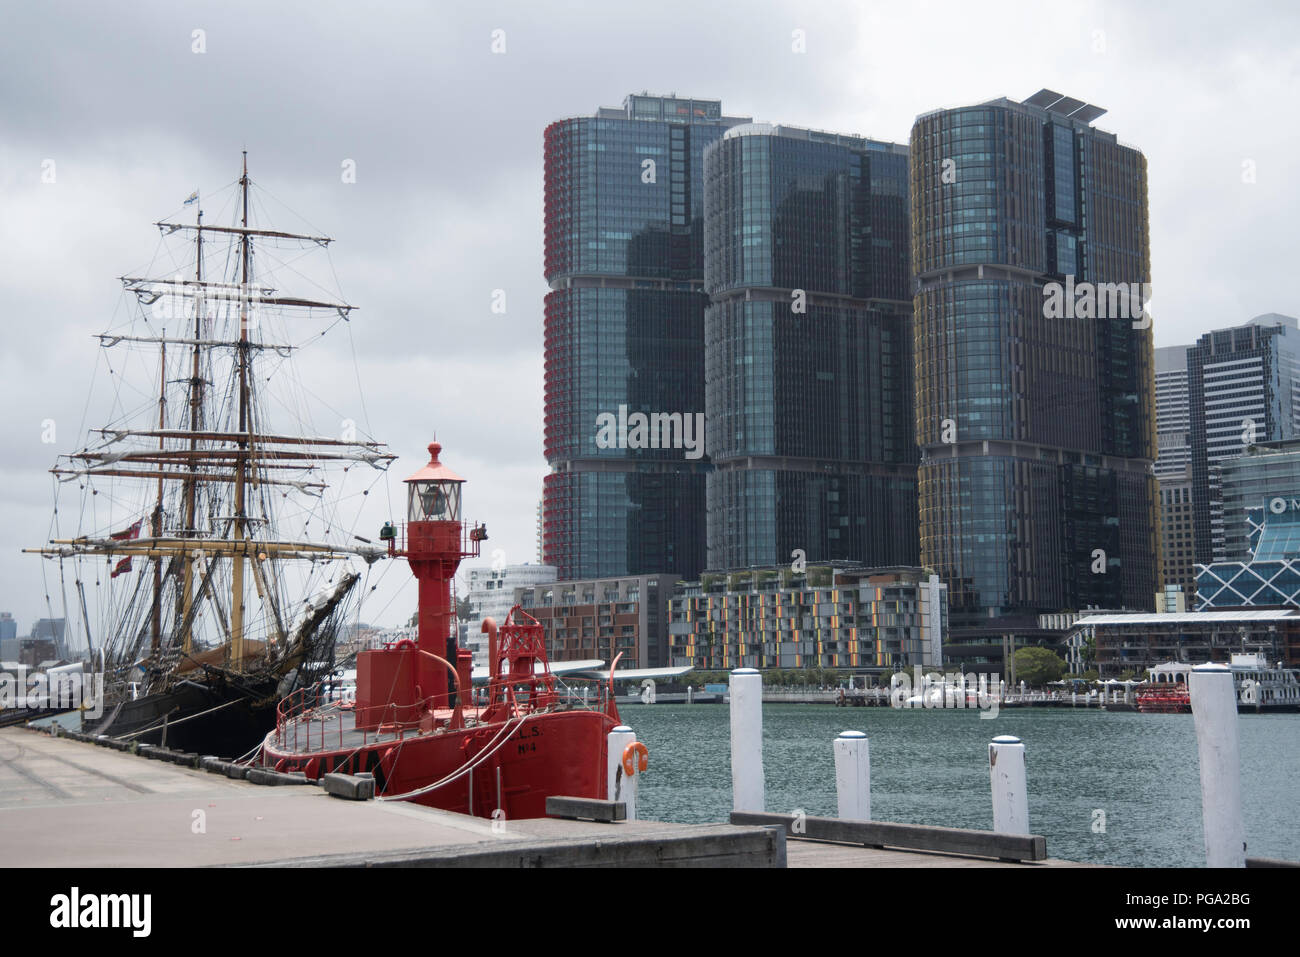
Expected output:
(196, 398)
(237, 457)
(241, 459)
(155, 618)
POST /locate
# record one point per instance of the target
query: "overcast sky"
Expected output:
(446, 136)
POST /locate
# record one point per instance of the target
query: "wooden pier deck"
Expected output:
(66, 803)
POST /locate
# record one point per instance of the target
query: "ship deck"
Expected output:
(330, 728)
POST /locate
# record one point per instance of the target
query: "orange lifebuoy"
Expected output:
(631, 764)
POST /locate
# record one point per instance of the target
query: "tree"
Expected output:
(1038, 666)
(464, 609)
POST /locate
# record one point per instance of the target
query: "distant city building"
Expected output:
(851, 618)
(1135, 642)
(1172, 600)
(1173, 415)
(1036, 420)
(603, 618)
(368, 637)
(1252, 482)
(808, 349)
(33, 652)
(624, 334)
(1268, 575)
(1243, 389)
(51, 630)
(8, 637)
(492, 594)
(1178, 529)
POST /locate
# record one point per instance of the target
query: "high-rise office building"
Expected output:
(1035, 396)
(624, 332)
(1173, 468)
(1177, 530)
(1243, 388)
(1173, 411)
(808, 349)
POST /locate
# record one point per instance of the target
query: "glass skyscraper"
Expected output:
(624, 333)
(1243, 388)
(808, 349)
(1036, 426)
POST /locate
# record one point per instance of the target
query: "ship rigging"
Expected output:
(213, 527)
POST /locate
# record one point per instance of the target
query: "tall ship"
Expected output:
(208, 555)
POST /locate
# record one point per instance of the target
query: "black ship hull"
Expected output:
(218, 719)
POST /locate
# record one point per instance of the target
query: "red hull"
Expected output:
(562, 752)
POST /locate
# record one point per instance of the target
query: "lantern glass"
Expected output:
(434, 502)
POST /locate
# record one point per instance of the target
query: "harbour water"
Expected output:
(931, 767)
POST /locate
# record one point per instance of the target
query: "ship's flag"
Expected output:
(121, 567)
(194, 198)
(132, 532)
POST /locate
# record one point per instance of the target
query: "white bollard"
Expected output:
(1008, 780)
(620, 786)
(1214, 710)
(853, 776)
(746, 688)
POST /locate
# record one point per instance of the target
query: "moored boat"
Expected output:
(1258, 686)
(206, 563)
(416, 726)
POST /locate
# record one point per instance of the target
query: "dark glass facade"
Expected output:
(1037, 433)
(808, 350)
(624, 331)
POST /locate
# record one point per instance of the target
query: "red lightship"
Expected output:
(415, 724)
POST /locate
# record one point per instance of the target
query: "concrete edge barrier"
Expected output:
(350, 787)
(273, 778)
(696, 845)
(590, 809)
(909, 837)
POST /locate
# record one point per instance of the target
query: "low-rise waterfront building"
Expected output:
(837, 615)
(603, 618)
(1135, 642)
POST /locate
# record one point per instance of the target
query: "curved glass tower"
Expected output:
(808, 349)
(1035, 387)
(624, 328)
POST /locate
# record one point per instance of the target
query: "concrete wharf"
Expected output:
(70, 803)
